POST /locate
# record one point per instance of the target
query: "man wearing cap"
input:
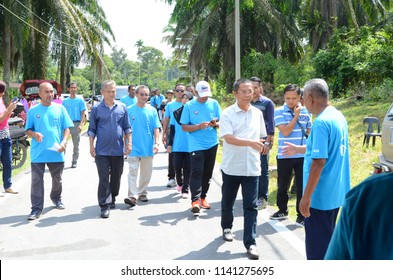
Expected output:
(200, 118)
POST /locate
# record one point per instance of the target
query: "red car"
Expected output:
(29, 89)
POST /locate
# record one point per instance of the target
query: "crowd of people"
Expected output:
(186, 120)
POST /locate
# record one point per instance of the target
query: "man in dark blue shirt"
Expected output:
(266, 105)
(108, 123)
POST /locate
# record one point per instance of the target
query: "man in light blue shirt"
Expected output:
(129, 99)
(76, 108)
(326, 168)
(146, 132)
(201, 118)
(48, 125)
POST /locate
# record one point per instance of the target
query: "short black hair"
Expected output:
(237, 84)
(292, 87)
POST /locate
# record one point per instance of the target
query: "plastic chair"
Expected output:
(373, 124)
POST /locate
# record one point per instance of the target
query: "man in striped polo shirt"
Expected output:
(294, 123)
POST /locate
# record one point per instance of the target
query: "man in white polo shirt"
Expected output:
(242, 128)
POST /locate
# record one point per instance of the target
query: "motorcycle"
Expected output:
(18, 135)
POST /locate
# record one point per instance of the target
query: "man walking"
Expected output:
(76, 108)
(242, 127)
(200, 118)
(108, 123)
(48, 125)
(145, 126)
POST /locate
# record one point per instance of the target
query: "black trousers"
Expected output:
(182, 169)
(284, 172)
(202, 165)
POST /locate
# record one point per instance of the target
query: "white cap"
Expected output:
(203, 89)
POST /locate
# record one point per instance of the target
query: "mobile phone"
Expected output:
(15, 99)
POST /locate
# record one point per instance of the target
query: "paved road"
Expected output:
(162, 229)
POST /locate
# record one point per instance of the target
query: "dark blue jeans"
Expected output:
(264, 178)
(230, 187)
(6, 159)
(319, 229)
(110, 169)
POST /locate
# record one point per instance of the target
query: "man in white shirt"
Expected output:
(242, 128)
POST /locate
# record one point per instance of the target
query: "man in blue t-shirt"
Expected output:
(145, 136)
(130, 98)
(48, 124)
(200, 118)
(76, 108)
(326, 168)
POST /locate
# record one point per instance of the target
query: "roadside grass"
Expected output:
(361, 158)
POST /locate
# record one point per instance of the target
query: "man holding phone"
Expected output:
(5, 139)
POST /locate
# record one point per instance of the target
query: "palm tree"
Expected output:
(207, 28)
(322, 17)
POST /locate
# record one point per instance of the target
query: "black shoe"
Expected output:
(73, 165)
(105, 213)
(130, 201)
(279, 215)
(34, 215)
(300, 221)
(112, 205)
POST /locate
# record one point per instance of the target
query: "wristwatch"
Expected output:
(269, 144)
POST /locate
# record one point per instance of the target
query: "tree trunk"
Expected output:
(6, 53)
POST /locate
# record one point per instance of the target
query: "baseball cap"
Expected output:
(169, 91)
(203, 89)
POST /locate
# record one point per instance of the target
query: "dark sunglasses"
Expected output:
(179, 90)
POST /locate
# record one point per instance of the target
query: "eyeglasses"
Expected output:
(180, 90)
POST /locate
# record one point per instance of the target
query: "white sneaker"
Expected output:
(171, 183)
(253, 252)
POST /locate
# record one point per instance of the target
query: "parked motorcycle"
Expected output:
(385, 163)
(18, 135)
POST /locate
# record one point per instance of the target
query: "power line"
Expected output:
(47, 23)
(35, 28)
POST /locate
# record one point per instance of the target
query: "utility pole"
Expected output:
(237, 39)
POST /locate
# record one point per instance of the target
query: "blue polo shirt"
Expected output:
(50, 121)
(74, 107)
(180, 141)
(143, 122)
(128, 101)
(195, 112)
(284, 115)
